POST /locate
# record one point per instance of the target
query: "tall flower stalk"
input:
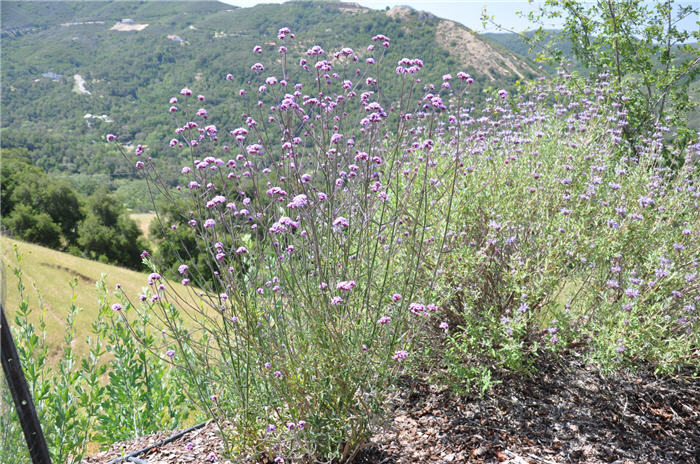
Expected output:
(318, 257)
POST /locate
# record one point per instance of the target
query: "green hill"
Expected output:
(74, 71)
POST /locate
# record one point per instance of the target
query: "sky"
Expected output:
(467, 12)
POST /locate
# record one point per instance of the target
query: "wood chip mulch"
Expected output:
(565, 413)
(198, 446)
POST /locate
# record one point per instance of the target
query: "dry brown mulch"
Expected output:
(565, 413)
(197, 446)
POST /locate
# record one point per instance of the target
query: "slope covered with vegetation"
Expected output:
(53, 281)
(40, 209)
(128, 75)
(342, 237)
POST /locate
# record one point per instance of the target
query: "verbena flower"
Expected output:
(346, 285)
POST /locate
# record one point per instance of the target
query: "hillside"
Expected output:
(73, 72)
(517, 44)
(48, 274)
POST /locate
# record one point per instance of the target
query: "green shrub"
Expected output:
(118, 391)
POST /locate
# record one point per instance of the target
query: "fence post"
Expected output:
(21, 396)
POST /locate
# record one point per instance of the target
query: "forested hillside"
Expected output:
(75, 71)
(69, 77)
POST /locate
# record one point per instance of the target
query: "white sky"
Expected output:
(467, 12)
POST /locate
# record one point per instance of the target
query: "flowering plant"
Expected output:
(334, 222)
(322, 259)
(576, 239)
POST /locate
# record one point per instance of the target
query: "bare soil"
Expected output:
(474, 52)
(566, 413)
(128, 27)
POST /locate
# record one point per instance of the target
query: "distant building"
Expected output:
(52, 76)
(175, 38)
(127, 21)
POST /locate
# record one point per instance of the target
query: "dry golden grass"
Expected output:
(47, 274)
(143, 220)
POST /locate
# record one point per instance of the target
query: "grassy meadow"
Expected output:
(143, 220)
(47, 275)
